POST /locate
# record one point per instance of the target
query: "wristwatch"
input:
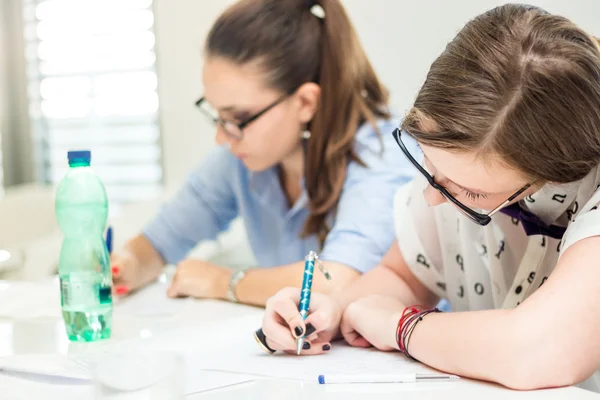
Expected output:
(236, 277)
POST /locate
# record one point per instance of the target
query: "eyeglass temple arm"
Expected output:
(511, 198)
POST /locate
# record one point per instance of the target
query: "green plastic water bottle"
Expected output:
(84, 266)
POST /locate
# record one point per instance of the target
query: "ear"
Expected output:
(307, 100)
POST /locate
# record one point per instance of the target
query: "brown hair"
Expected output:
(520, 84)
(294, 47)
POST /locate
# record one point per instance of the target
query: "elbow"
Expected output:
(543, 355)
(533, 378)
(534, 370)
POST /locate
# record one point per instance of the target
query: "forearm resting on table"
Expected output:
(144, 253)
(475, 344)
(260, 284)
(549, 340)
(491, 345)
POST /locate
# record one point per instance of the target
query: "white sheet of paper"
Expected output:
(16, 387)
(76, 370)
(28, 300)
(201, 381)
(50, 365)
(152, 301)
(244, 356)
(229, 346)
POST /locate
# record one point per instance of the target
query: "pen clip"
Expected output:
(322, 268)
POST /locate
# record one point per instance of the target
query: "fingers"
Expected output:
(274, 345)
(175, 289)
(308, 348)
(127, 274)
(121, 290)
(352, 336)
(312, 349)
(319, 321)
(172, 291)
(116, 269)
(285, 305)
(121, 275)
(311, 333)
(283, 323)
(120, 287)
(262, 341)
(358, 341)
(277, 331)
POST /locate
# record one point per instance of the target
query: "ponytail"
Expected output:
(313, 48)
(350, 95)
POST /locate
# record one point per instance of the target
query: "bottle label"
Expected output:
(65, 293)
(84, 290)
(105, 294)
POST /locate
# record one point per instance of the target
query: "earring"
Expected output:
(305, 134)
(317, 11)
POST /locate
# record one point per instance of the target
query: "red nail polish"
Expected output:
(121, 290)
(115, 270)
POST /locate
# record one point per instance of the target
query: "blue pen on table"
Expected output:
(385, 378)
(303, 307)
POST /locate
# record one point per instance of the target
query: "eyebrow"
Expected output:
(236, 113)
(230, 108)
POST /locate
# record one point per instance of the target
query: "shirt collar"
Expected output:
(266, 187)
(552, 201)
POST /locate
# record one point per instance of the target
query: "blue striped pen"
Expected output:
(303, 307)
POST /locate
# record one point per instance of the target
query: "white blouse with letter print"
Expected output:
(498, 265)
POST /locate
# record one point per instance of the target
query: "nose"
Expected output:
(433, 197)
(223, 138)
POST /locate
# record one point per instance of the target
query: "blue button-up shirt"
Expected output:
(222, 188)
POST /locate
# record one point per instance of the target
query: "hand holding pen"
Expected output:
(305, 292)
(295, 316)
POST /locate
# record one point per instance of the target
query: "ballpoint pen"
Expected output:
(109, 239)
(385, 378)
(303, 307)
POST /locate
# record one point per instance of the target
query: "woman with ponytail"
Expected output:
(305, 157)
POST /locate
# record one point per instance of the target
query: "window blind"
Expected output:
(92, 85)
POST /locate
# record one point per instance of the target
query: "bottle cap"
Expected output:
(79, 156)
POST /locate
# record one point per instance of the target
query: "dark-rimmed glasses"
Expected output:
(478, 218)
(233, 129)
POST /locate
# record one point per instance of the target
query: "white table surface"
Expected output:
(45, 334)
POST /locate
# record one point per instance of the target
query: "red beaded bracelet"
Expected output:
(411, 316)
